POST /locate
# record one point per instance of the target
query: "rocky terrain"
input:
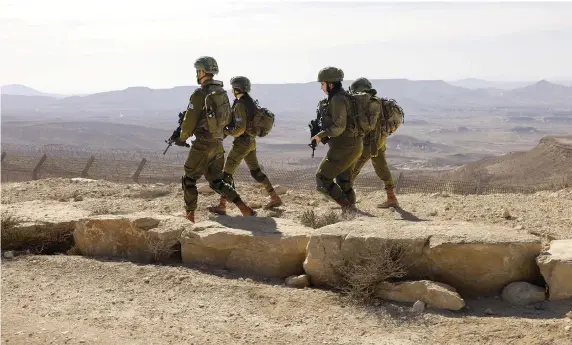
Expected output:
(231, 288)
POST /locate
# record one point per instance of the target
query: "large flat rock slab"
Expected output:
(476, 259)
(269, 247)
(39, 225)
(556, 267)
(140, 237)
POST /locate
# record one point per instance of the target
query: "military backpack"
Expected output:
(217, 110)
(365, 120)
(262, 121)
(392, 116)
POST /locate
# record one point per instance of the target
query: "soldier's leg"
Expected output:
(260, 177)
(382, 170)
(362, 160)
(237, 153)
(194, 169)
(344, 179)
(340, 158)
(214, 175)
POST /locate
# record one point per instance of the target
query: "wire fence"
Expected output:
(24, 163)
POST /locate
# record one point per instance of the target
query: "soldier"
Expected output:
(244, 144)
(343, 138)
(374, 149)
(207, 114)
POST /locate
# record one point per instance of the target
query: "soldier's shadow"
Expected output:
(256, 225)
(406, 215)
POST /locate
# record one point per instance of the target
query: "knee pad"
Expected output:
(258, 175)
(226, 177)
(323, 185)
(187, 182)
(216, 185)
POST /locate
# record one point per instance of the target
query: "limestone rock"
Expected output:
(436, 295)
(205, 189)
(280, 190)
(299, 282)
(255, 205)
(39, 224)
(418, 307)
(523, 293)
(139, 237)
(269, 247)
(556, 267)
(475, 259)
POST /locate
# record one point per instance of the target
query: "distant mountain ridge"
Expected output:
(289, 98)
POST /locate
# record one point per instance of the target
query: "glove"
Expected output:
(179, 142)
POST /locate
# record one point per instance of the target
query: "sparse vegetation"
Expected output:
(310, 219)
(358, 274)
(46, 242)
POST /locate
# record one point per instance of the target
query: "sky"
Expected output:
(71, 46)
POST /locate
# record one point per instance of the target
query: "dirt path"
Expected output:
(75, 300)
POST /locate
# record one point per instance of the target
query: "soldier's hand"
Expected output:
(179, 142)
(316, 138)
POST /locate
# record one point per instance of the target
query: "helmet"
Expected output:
(241, 83)
(360, 85)
(331, 74)
(207, 64)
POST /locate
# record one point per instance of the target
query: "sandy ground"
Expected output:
(61, 299)
(75, 300)
(547, 214)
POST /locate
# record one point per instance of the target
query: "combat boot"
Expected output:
(275, 201)
(191, 216)
(391, 200)
(245, 209)
(220, 209)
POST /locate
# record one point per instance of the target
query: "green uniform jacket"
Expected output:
(335, 120)
(194, 122)
(242, 122)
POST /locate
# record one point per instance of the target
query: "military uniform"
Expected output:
(206, 156)
(374, 149)
(244, 145)
(344, 141)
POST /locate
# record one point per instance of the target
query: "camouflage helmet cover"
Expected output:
(331, 75)
(207, 64)
(360, 85)
(241, 83)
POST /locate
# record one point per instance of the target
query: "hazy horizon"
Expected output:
(69, 47)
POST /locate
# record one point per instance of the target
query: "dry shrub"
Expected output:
(35, 242)
(310, 219)
(158, 249)
(357, 274)
(151, 194)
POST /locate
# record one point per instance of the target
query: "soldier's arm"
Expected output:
(339, 113)
(375, 108)
(239, 120)
(192, 115)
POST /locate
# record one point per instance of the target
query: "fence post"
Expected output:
(38, 166)
(399, 182)
(87, 166)
(478, 191)
(3, 156)
(139, 169)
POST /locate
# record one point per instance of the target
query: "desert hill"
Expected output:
(550, 162)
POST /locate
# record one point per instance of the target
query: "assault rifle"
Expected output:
(316, 125)
(176, 133)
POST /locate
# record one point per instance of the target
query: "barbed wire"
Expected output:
(24, 162)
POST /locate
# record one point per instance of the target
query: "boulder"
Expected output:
(476, 259)
(269, 247)
(44, 226)
(480, 259)
(556, 267)
(523, 293)
(299, 282)
(435, 295)
(139, 237)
